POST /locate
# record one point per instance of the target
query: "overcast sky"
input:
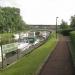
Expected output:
(43, 11)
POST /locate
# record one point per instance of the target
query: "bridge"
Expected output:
(43, 27)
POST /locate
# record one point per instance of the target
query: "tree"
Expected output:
(10, 20)
(72, 24)
(63, 25)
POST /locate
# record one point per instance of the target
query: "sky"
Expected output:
(43, 11)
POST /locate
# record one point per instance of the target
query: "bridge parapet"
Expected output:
(43, 27)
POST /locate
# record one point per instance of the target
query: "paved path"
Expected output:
(59, 63)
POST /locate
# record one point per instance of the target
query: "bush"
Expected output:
(65, 32)
(6, 38)
(72, 36)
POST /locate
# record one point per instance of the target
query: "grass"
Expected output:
(73, 52)
(29, 64)
(72, 36)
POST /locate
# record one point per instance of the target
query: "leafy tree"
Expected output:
(63, 25)
(65, 28)
(72, 21)
(10, 20)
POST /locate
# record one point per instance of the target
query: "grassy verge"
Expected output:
(72, 52)
(72, 43)
(31, 62)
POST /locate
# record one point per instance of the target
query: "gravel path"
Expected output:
(60, 62)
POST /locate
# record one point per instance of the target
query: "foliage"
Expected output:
(72, 21)
(6, 38)
(64, 25)
(10, 20)
(72, 43)
(65, 32)
(72, 35)
(65, 29)
(31, 62)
